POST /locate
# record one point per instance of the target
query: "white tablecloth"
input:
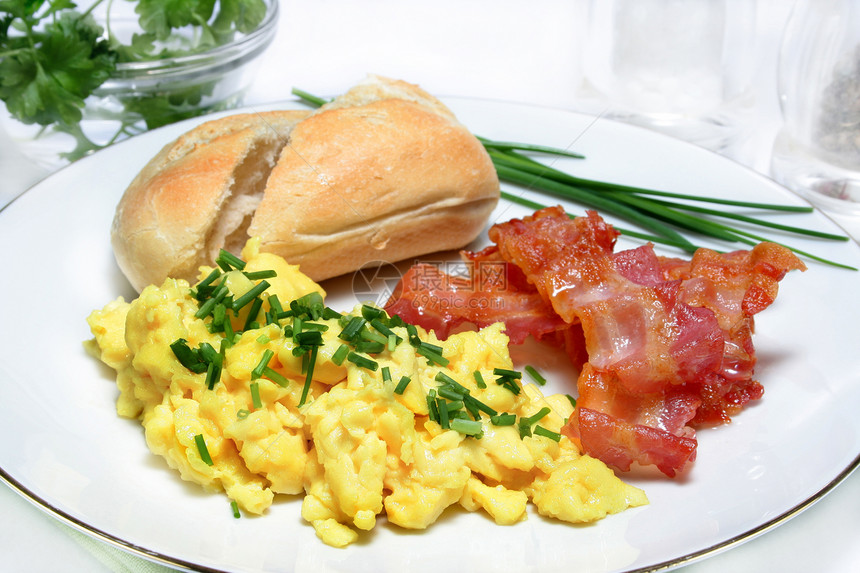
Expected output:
(503, 50)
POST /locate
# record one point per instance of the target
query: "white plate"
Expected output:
(62, 445)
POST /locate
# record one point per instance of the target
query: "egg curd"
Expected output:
(248, 384)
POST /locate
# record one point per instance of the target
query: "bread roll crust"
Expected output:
(166, 222)
(383, 173)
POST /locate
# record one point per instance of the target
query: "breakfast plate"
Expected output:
(63, 446)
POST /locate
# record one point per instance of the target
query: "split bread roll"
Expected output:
(384, 172)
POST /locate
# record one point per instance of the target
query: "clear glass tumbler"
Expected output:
(817, 152)
(677, 66)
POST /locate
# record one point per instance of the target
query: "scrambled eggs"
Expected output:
(247, 383)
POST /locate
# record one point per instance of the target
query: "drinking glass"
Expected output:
(677, 66)
(817, 151)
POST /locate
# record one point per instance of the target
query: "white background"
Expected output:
(505, 50)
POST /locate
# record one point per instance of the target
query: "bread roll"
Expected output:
(382, 173)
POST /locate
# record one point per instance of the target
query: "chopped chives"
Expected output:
(207, 351)
(432, 409)
(443, 412)
(451, 393)
(310, 304)
(504, 419)
(454, 405)
(263, 339)
(472, 402)
(368, 334)
(252, 314)
(509, 383)
(535, 375)
(392, 342)
(431, 356)
(255, 395)
(219, 315)
(362, 361)
(203, 286)
(252, 294)
(242, 413)
(369, 346)
(213, 372)
(383, 329)
(538, 416)
(340, 354)
(571, 399)
(468, 427)
(525, 424)
(479, 379)
(228, 330)
(228, 261)
(401, 386)
(187, 357)
(203, 450)
(504, 372)
(275, 304)
(386, 374)
(235, 507)
(351, 330)
(298, 326)
(257, 275)
(431, 347)
(445, 379)
(412, 332)
(308, 325)
(207, 307)
(472, 408)
(310, 374)
(276, 377)
(309, 338)
(329, 313)
(264, 362)
(541, 431)
(371, 313)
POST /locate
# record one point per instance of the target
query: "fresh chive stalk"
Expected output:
(535, 375)
(664, 221)
(541, 431)
(255, 395)
(479, 379)
(275, 377)
(468, 427)
(203, 450)
(228, 261)
(402, 384)
(309, 376)
(264, 362)
(340, 354)
(362, 361)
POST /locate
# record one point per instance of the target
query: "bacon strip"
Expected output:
(664, 344)
(642, 333)
(437, 301)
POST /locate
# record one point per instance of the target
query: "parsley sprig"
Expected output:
(53, 56)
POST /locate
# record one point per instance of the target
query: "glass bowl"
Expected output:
(145, 94)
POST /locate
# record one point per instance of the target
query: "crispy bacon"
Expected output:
(664, 344)
(642, 333)
(438, 301)
(621, 443)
